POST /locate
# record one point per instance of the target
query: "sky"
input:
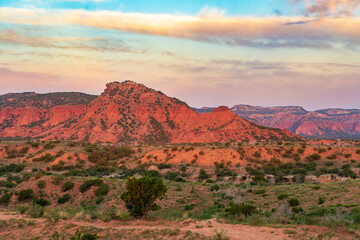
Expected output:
(206, 53)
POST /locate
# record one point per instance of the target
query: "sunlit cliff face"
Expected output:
(292, 52)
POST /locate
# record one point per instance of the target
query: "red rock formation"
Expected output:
(131, 112)
(322, 123)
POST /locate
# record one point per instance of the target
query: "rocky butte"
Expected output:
(124, 112)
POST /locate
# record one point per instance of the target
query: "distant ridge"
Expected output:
(325, 123)
(124, 112)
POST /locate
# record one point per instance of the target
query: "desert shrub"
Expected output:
(49, 145)
(321, 200)
(347, 155)
(5, 198)
(174, 176)
(328, 164)
(141, 194)
(254, 171)
(300, 150)
(258, 179)
(355, 212)
(164, 166)
(89, 183)
(321, 150)
(214, 188)
(99, 200)
(41, 184)
(358, 151)
(259, 191)
(105, 154)
(36, 211)
(333, 156)
(7, 184)
(26, 194)
(34, 144)
(67, 186)
(313, 157)
(86, 236)
(102, 190)
(293, 202)
(45, 158)
(11, 168)
(220, 235)
(57, 179)
(238, 209)
(282, 196)
(222, 171)
(257, 154)
(42, 202)
(65, 198)
(203, 175)
(189, 207)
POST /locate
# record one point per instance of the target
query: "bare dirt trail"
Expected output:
(42, 227)
(207, 228)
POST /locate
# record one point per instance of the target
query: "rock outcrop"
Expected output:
(127, 112)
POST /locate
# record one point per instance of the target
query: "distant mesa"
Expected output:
(124, 112)
(325, 123)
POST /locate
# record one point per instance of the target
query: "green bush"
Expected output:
(41, 184)
(42, 202)
(5, 198)
(89, 183)
(238, 209)
(300, 150)
(25, 195)
(36, 211)
(46, 158)
(203, 175)
(141, 194)
(86, 236)
(313, 157)
(67, 186)
(214, 188)
(293, 202)
(258, 179)
(102, 190)
(65, 198)
(282, 196)
(189, 207)
(164, 166)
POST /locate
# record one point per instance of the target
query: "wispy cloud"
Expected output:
(323, 8)
(248, 31)
(101, 44)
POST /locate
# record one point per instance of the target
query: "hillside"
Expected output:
(27, 114)
(125, 112)
(326, 123)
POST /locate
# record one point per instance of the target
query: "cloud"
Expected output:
(247, 31)
(102, 44)
(323, 8)
(208, 12)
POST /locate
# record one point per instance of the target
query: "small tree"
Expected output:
(142, 193)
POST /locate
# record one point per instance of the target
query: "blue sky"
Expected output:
(207, 53)
(190, 7)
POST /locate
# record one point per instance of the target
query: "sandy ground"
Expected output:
(205, 228)
(42, 229)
